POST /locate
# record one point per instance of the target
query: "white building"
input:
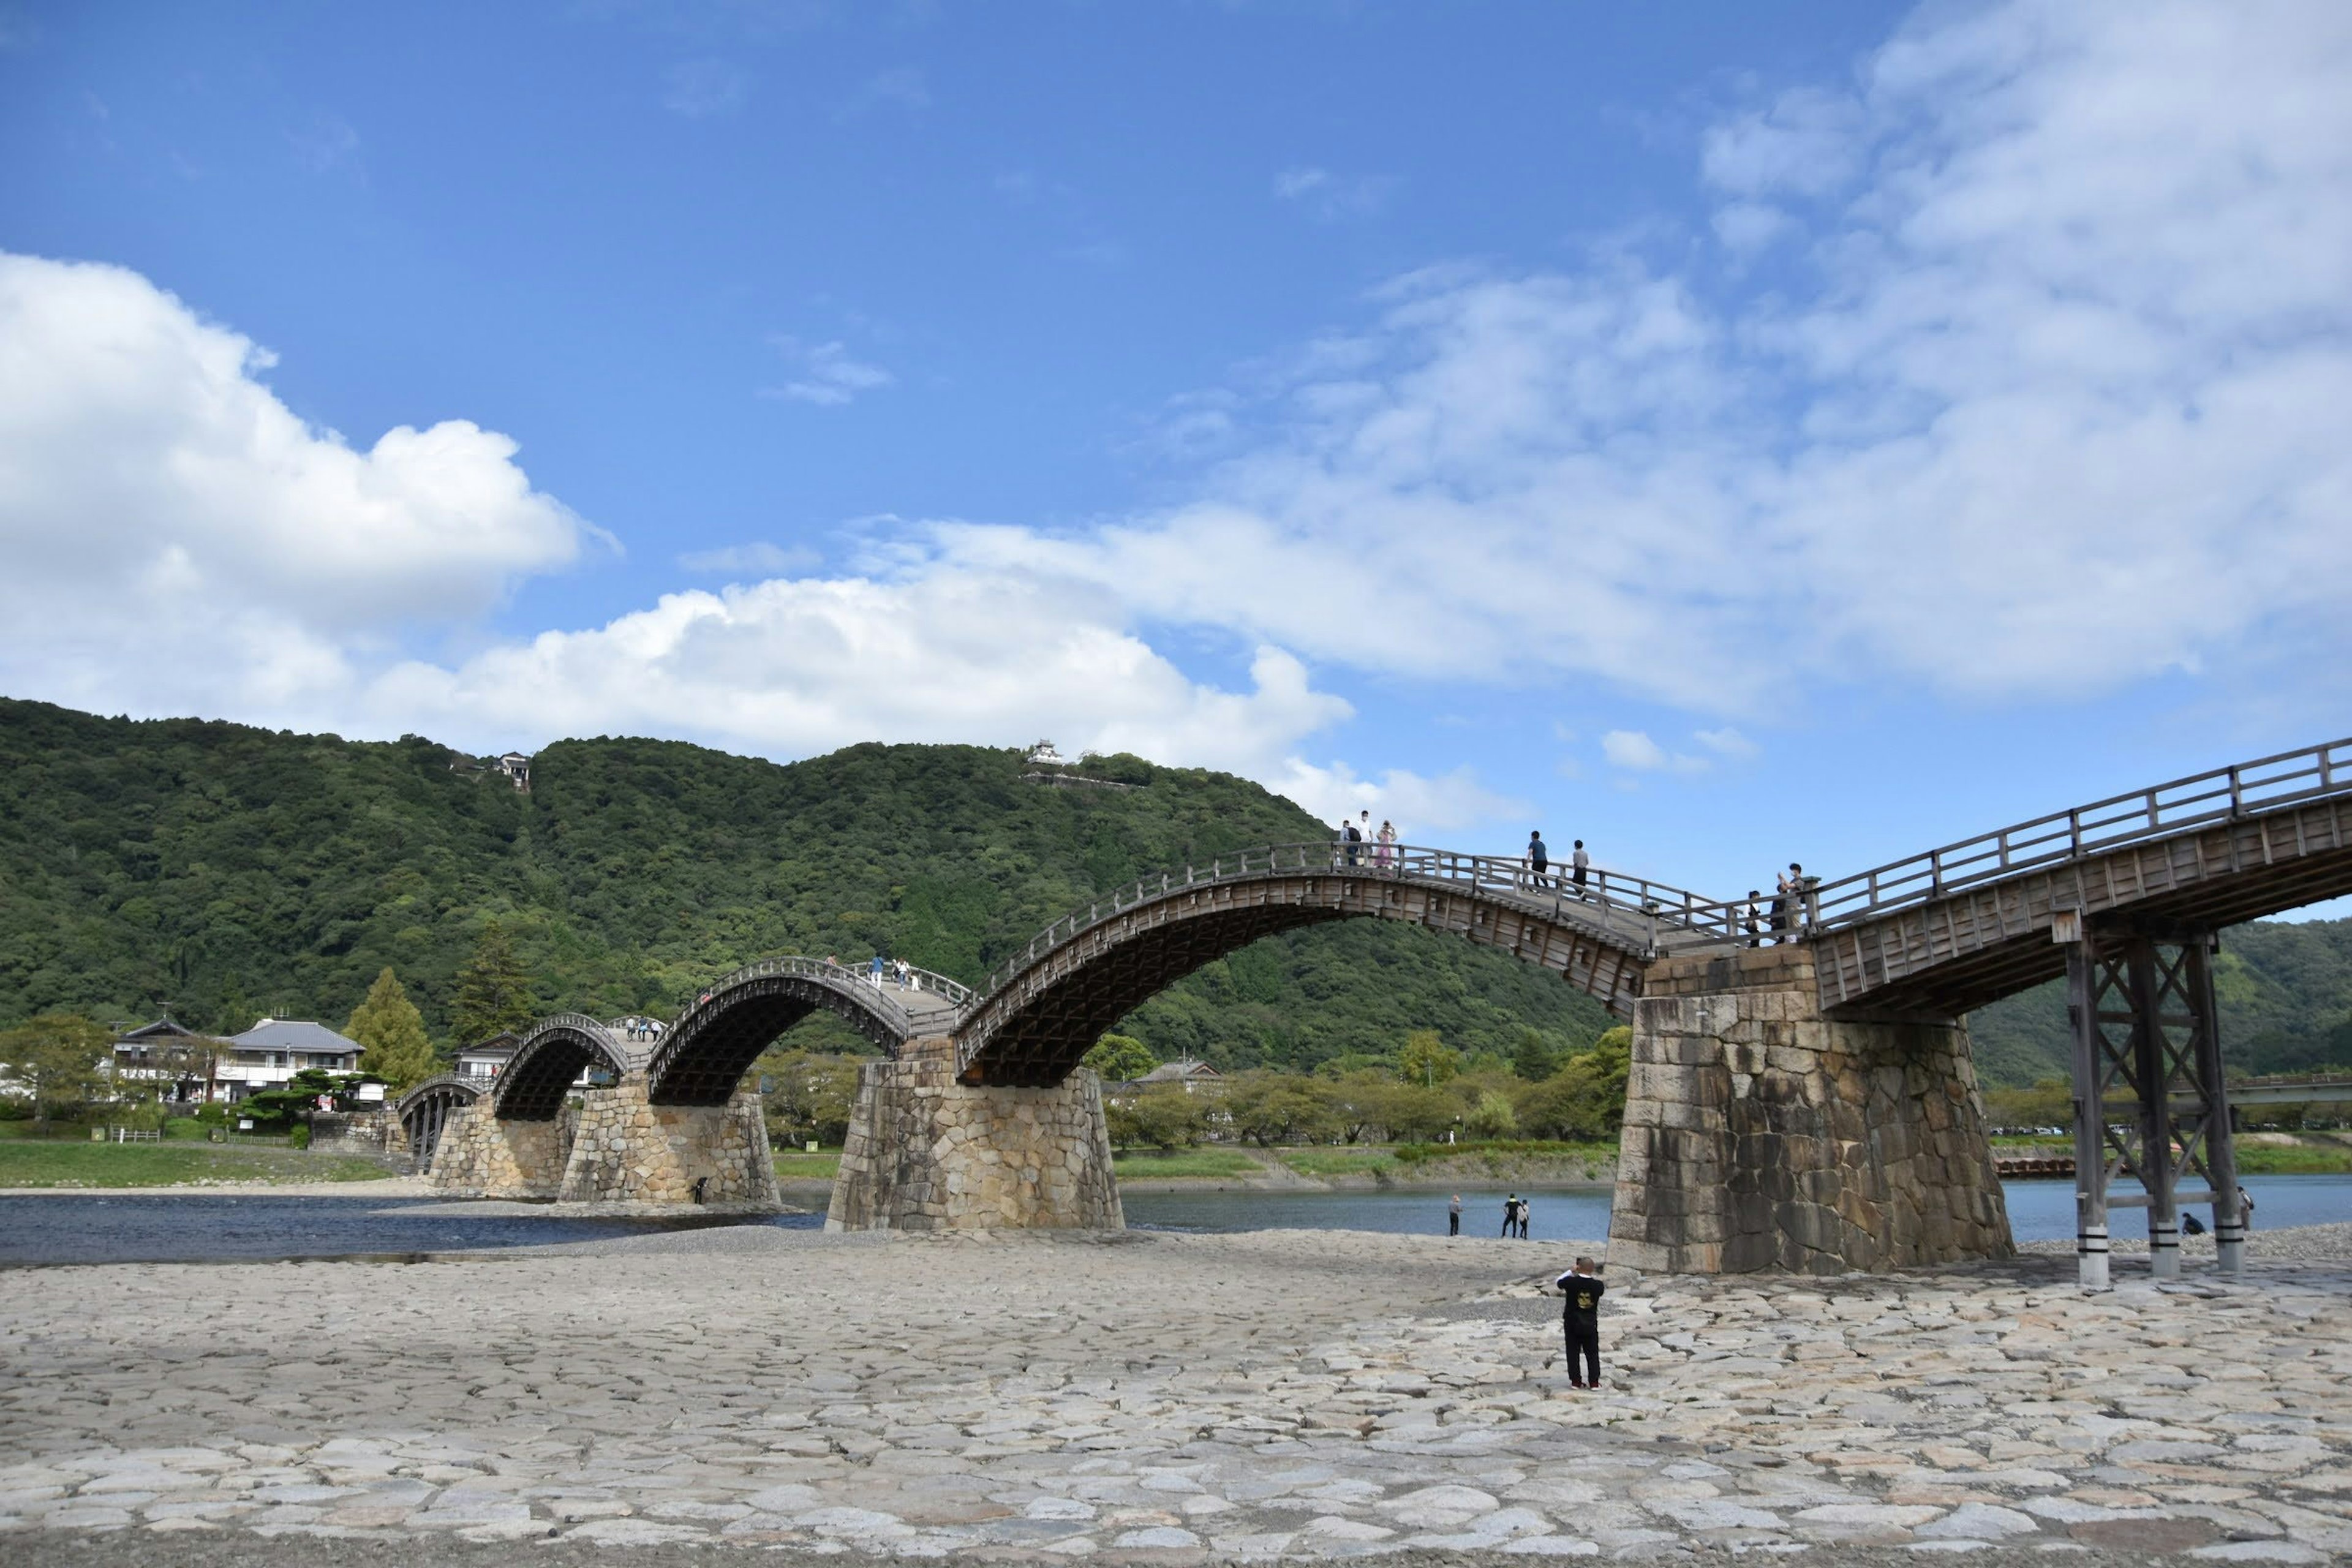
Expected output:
(485, 1060)
(177, 1060)
(273, 1050)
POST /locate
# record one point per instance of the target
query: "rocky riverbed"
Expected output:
(1165, 1398)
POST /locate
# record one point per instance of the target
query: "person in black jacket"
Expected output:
(1580, 1319)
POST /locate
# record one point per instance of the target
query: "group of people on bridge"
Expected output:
(1359, 846)
(885, 971)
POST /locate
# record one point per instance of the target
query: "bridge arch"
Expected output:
(426, 1112)
(548, 1060)
(703, 1056)
(1046, 1009)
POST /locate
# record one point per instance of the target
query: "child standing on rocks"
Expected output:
(1580, 1319)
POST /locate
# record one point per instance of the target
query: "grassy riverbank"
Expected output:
(43, 1163)
(2259, 1153)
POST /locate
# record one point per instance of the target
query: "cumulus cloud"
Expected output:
(1418, 804)
(179, 540)
(2046, 398)
(182, 542)
(788, 667)
(1633, 749)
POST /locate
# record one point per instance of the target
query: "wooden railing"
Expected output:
(2315, 773)
(850, 979)
(1649, 916)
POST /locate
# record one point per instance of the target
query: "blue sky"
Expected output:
(1726, 433)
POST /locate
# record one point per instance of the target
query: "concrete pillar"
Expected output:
(1761, 1136)
(926, 1152)
(480, 1156)
(631, 1151)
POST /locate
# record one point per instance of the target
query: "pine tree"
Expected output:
(493, 991)
(391, 1034)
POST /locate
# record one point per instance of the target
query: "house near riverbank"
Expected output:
(1190, 1075)
(273, 1050)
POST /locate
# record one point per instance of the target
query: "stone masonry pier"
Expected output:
(481, 1156)
(1760, 1135)
(928, 1152)
(629, 1149)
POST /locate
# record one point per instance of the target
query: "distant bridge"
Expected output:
(1949, 930)
(1940, 934)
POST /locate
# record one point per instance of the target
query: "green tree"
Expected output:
(1162, 1116)
(1426, 1059)
(1532, 1058)
(1586, 1098)
(293, 1103)
(59, 1059)
(1493, 1116)
(1121, 1058)
(810, 1096)
(1271, 1108)
(391, 1034)
(493, 990)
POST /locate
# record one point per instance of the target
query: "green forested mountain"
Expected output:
(2285, 990)
(219, 872)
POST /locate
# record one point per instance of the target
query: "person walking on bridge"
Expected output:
(1538, 857)
(1580, 1322)
(1583, 863)
(879, 962)
(1387, 852)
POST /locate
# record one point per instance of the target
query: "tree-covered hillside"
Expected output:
(2285, 990)
(219, 872)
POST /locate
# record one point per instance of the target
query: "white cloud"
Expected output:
(1726, 742)
(2061, 409)
(1328, 196)
(758, 559)
(705, 89)
(181, 541)
(1808, 143)
(178, 539)
(789, 667)
(1745, 226)
(1419, 805)
(1633, 749)
(829, 377)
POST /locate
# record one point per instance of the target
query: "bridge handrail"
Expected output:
(441, 1082)
(2160, 811)
(847, 977)
(1671, 917)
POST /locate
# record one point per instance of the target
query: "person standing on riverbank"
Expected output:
(1580, 1322)
(1511, 1215)
(1453, 1216)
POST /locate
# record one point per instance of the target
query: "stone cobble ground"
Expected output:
(1159, 1398)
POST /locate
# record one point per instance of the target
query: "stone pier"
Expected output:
(481, 1157)
(927, 1152)
(1761, 1136)
(629, 1149)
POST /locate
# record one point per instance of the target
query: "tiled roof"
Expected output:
(292, 1035)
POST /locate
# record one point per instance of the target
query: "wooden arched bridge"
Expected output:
(1927, 938)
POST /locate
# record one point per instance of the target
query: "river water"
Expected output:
(2038, 1210)
(132, 1227)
